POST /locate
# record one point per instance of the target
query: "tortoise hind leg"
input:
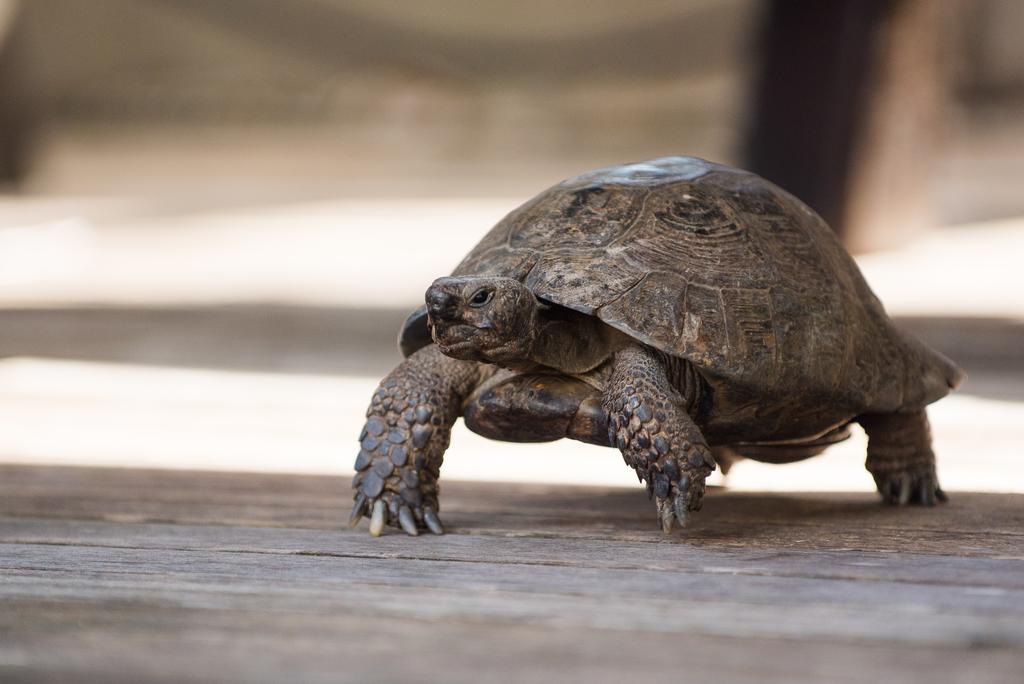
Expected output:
(900, 457)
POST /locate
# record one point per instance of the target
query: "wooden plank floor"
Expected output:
(131, 575)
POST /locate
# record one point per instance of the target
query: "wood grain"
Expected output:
(128, 575)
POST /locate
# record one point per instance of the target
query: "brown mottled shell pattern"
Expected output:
(722, 268)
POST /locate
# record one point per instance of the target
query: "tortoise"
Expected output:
(683, 311)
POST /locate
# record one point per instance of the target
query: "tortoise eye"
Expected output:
(481, 297)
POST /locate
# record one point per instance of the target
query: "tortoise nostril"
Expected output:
(441, 303)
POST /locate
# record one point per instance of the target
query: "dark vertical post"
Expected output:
(843, 105)
(15, 112)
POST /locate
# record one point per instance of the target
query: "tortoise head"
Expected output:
(482, 318)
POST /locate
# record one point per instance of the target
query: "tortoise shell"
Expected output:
(723, 268)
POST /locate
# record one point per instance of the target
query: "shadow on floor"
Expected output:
(270, 338)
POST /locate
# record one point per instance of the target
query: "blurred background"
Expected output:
(215, 214)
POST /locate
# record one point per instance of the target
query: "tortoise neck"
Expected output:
(571, 342)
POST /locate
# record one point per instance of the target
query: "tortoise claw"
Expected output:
(358, 509)
(432, 521)
(682, 515)
(904, 493)
(667, 515)
(377, 518)
(674, 510)
(909, 487)
(405, 519)
(926, 493)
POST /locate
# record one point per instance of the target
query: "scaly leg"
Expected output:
(900, 457)
(403, 442)
(648, 422)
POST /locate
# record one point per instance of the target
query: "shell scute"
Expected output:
(587, 217)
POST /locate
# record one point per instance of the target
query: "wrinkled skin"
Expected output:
(489, 320)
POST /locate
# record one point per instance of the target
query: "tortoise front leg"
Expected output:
(403, 442)
(648, 422)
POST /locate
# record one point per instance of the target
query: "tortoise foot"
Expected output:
(676, 483)
(395, 484)
(403, 442)
(900, 458)
(910, 486)
(684, 495)
(673, 467)
(394, 511)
